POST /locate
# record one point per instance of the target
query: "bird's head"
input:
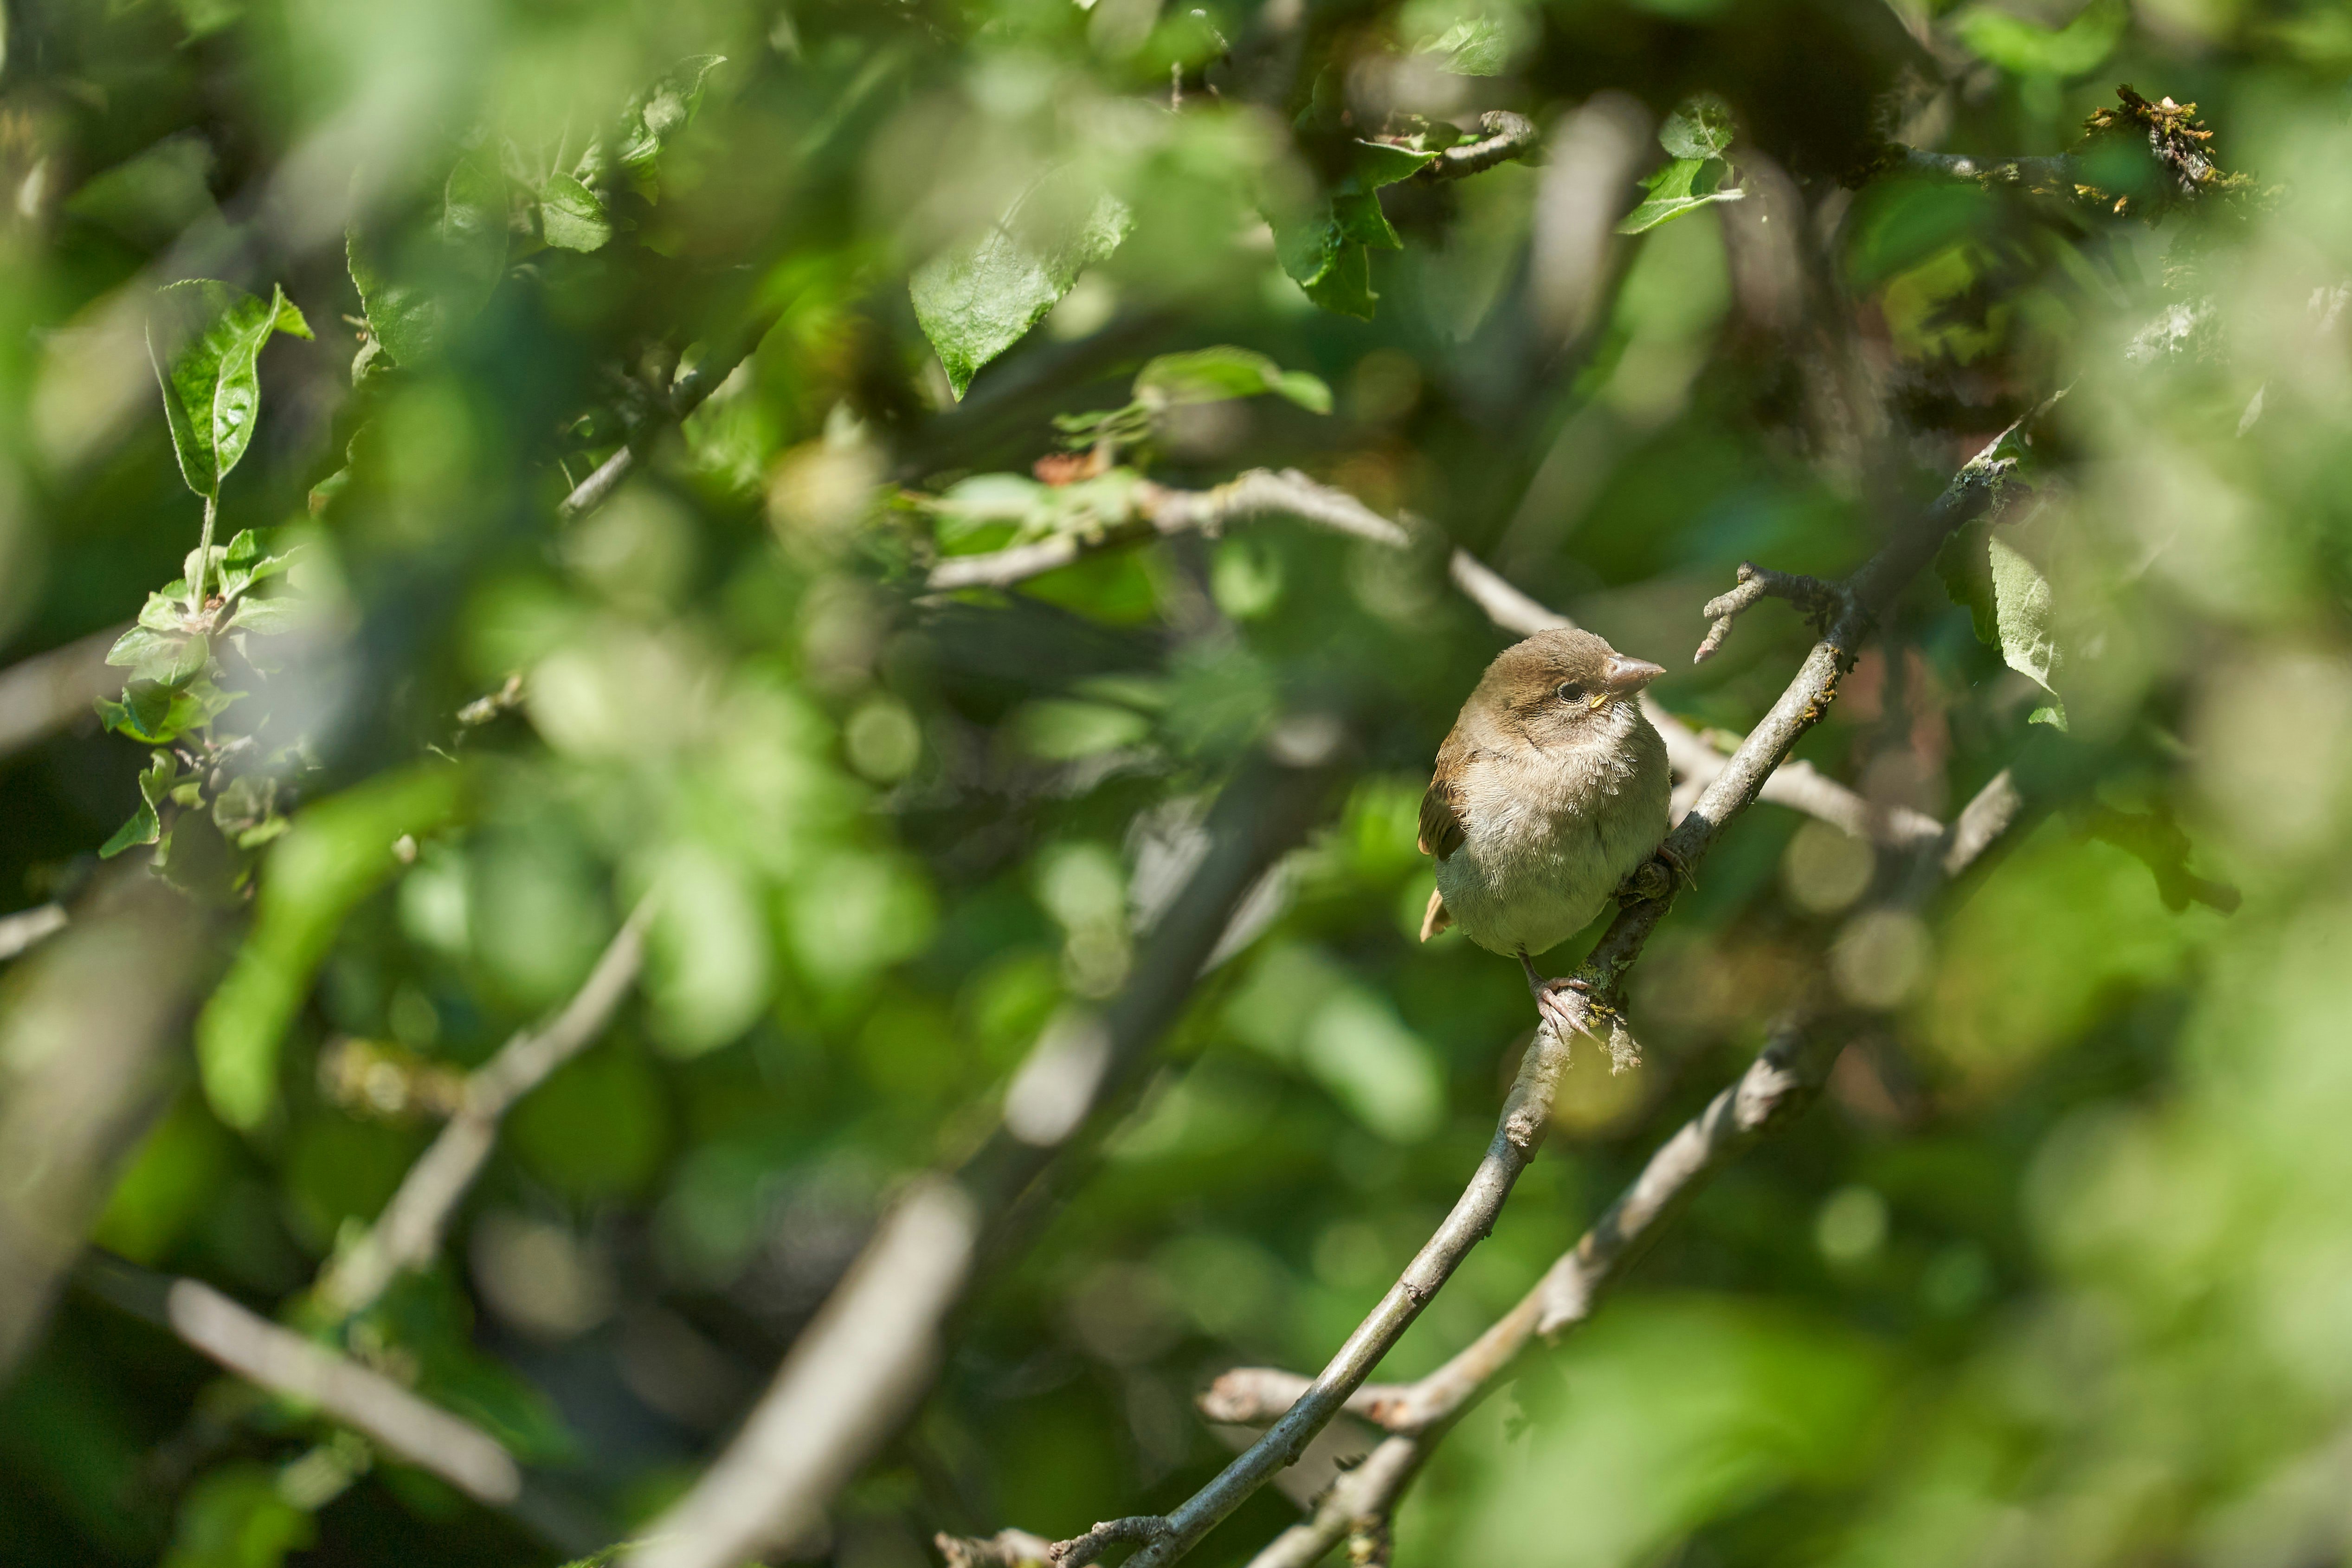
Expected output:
(1564, 688)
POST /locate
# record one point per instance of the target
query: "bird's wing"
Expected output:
(1441, 808)
(1437, 917)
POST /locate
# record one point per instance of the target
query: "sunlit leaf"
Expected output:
(420, 287)
(1475, 46)
(1214, 374)
(2028, 49)
(1673, 192)
(2023, 612)
(571, 217)
(145, 824)
(202, 338)
(663, 111)
(1700, 127)
(1326, 247)
(976, 300)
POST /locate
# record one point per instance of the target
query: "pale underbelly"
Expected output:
(1534, 892)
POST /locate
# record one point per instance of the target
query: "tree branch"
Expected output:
(276, 1358)
(1817, 601)
(408, 1235)
(1507, 136)
(864, 1364)
(41, 695)
(1262, 493)
(1780, 1079)
(85, 1066)
(688, 393)
(1772, 1093)
(27, 927)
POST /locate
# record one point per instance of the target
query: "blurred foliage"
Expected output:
(2057, 1274)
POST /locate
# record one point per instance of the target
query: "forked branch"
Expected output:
(1783, 1078)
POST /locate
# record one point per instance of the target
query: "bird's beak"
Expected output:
(1625, 676)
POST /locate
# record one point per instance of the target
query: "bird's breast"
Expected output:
(1547, 837)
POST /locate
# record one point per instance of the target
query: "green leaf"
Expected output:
(976, 300)
(421, 289)
(244, 561)
(167, 658)
(1672, 194)
(1037, 511)
(1361, 221)
(664, 110)
(236, 1517)
(1475, 45)
(1216, 375)
(2022, 608)
(1700, 127)
(340, 850)
(146, 825)
(1326, 247)
(570, 215)
(1377, 163)
(2025, 49)
(269, 617)
(155, 715)
(202, 337)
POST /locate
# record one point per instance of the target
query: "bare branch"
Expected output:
(1005, 1549)
(1254, 1396)
(1247, 498)
(686, 395)
(1985, 818)
(26, 927)
(857, 1371)
(2055, 175)
(1775, 1089)
(84, 1068)
(851, 1377)
(306, 1372)
(408, 1235)
(1262, 493)
(1818, 601)
(1137, 1528)
(1507, 136)
(41, 695)
(1779, 1080)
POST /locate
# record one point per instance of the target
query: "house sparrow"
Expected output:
(1549, 794)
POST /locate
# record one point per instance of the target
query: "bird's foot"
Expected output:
(1564, 1005)
(1561, 1002)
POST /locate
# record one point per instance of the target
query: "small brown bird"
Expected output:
(1550, 792)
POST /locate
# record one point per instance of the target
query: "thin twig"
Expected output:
(1773, 1091)
(1818, 602)
(2055, 174)
(41, 695)
(25, 927)
(1779, 1078)
(1507, 136)
(276, 1358)
(688, 394)
(85, 1067)
(1263, 493)
(408, 1235)
(1005, 1549)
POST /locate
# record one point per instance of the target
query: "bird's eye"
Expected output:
(1569, 691)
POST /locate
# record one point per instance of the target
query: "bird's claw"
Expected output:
(1563, 1004)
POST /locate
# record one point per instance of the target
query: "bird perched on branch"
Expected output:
(1549, 792)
